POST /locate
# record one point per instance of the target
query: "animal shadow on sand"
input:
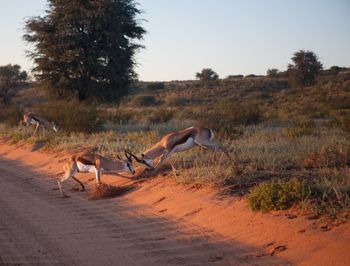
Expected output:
(103, 191)
(38, 145)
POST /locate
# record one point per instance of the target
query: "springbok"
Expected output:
(180, 141)
(89, 162)
(32, 119)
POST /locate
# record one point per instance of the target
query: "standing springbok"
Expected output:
(32, 119)
(89, 162)
(180, 141)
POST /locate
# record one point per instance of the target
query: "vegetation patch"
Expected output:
(71, 116)
(144, 100)
(10, 114)
(278, 194)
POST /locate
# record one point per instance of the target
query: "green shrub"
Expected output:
(278, 195)
(71, 116)
(143, 100)
(10, 115)
(154, 86)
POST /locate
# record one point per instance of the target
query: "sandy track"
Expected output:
(37, 227)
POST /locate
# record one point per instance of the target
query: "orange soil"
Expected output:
(296, 239)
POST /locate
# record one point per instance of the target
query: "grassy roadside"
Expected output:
(275, 167)
(290, 146)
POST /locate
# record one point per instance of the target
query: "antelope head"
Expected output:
(128, 162)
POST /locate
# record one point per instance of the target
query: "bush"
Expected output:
(301, 127)
(160, 116)
(278, 195)
(144, 100)
(206, 75)
(10, 114)
(335, 156)
(177, 101)
(71, 116)
(121, 116)
(342, 119)
(154, 86)
(229, 116)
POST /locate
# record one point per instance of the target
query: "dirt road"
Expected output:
(37, 227)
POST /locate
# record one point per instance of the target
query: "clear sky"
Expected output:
(229, 36)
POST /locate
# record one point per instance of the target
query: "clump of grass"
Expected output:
(335, 155)
(300, 127)
(278, 194)
(332, 195)
(144, 100)
(19, 134)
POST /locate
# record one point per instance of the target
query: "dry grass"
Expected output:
(300, 133)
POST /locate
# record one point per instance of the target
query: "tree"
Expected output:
(207, 74)
(85, 48)
(305, 68)
(272, 73)
(10, 77)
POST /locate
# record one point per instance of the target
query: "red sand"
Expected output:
(296, 239)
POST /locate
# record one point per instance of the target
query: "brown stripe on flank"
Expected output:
(35, 119)
(182, 140)
(85, 161)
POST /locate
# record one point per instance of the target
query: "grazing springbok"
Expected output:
(32, 119)
(180, 141)
(89, 162)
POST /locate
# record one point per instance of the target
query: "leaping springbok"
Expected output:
(30, 118)
(89, 162)
(180, 141)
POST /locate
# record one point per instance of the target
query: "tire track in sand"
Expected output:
(37, 227)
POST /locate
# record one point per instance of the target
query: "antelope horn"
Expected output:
(140, 160)
(127, 155)
(132, 155)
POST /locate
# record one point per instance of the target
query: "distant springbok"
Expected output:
(180, 141)
(89, 162)
(32, 119)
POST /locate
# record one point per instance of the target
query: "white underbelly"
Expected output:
(86, 168)
(185, 146)
(33, 122)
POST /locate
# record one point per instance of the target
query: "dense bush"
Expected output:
(206, 75)
(160, 116)
(154, 86)
(121, 116)
(304, 69)
(143, 100)
(300, 127)
(226, 118)
(10, 114)
(71, 116)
